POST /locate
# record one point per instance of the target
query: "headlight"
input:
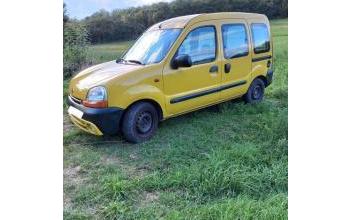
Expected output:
(96, 98)
(96, 94)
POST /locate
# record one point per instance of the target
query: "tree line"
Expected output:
(126, 24)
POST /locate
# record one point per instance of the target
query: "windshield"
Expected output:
(152, 46)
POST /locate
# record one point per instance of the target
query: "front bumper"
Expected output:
(98, 121)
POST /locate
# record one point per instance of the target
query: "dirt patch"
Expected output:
(141, 171)
(133, 156)
(72, 179)
(129, 170)
(72, 171)
(67, 125)
(108, 160)
(149, 197)
(67, 202)
(71, 176)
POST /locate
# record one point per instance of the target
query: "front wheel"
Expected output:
(255, 92)
(140, 122)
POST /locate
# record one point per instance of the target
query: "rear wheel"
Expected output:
(255, 92)
(140, 122)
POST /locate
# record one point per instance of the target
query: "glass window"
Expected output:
(261, 39)
(235, 42)
(200, 45)
(152, 46)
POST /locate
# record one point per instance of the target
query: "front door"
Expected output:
(189, 88)
(237, 62)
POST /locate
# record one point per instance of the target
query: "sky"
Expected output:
(82, 8)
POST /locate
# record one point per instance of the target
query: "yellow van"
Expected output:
(176, 66)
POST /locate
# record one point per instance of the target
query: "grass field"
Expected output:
(224, 162)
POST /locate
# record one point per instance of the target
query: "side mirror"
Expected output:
(183, 60)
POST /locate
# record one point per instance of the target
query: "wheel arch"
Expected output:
(263, 78)
(151, 101)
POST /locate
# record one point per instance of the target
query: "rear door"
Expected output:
(237, 64)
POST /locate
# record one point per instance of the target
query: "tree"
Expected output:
(75, 44)
(65, 16)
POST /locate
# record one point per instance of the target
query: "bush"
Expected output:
(75, 47)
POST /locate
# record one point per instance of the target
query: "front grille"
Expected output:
(78, 101)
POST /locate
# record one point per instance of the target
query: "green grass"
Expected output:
(224, 162)
(106, 52)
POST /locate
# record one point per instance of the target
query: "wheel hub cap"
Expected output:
(144, 122)
(257, 92)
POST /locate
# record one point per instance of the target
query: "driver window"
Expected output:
(200, 45)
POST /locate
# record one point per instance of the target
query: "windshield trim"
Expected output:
(166, 55)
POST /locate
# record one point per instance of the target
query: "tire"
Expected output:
(140, 122)
(255, 92)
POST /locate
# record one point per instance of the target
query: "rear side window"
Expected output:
(200, 45)
(235, 42)
(261, 40)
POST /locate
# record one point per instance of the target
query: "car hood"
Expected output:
(97, 75)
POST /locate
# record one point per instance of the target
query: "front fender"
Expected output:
(140, 92)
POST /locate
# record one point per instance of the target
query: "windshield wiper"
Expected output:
(135, 61)
(130, 61)
(120, 60)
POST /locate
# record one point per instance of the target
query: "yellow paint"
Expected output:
(129, 83)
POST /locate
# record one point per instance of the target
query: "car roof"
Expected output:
(183, 21)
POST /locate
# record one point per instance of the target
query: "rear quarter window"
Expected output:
(261, 37)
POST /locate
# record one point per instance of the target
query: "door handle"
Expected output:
(227, 67)
(214, 69)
